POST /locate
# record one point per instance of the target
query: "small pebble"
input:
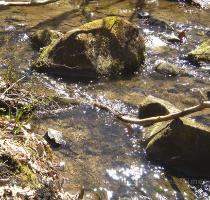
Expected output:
(143, 15)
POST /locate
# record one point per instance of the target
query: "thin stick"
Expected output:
(152, 120)
(26, 3)
(11, 86)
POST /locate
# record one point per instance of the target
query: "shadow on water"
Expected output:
(55, 21)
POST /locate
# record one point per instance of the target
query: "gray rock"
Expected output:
(169, 69)
(54, 138)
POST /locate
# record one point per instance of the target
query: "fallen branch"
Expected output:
(26, 3)
(134, 120)
(152, 120)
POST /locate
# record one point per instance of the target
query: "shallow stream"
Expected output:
(103, 154)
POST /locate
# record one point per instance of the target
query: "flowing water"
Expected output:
(103, 154)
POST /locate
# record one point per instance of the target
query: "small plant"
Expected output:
(10, 75)
(22, 116)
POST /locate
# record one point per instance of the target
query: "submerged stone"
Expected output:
(181, 144)
(201, 53)
(104, 47)
(169, 69)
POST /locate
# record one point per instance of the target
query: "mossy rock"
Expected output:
(180, 144)
(42, 38)
(169, 69)
(201, 53)
(152, 106)
(104, 47)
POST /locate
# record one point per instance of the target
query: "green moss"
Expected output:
(106, 23)
(202, 52)
(27, 177)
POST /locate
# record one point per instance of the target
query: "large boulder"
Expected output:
(108, 46)
(181, 144)
(201, 53)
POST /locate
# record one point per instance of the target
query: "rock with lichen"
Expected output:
(104, 47)
(201, 53)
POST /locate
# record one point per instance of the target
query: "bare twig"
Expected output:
(146, 121)
(26, 3)
(9, 88)
(152, 120)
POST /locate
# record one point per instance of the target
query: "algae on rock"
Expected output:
(201, 53)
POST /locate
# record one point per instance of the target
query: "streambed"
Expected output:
(103, 154)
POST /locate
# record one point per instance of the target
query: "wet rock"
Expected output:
(172, 38)
(179, 144)
(91, 196)
(152, 106)
(169, 69)
(200, 3)
(104, 47)
(159, 25)
(54, 138)
(143, 15)
(201, 53)
(156, 45)
(182, 145)
(42, 38)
